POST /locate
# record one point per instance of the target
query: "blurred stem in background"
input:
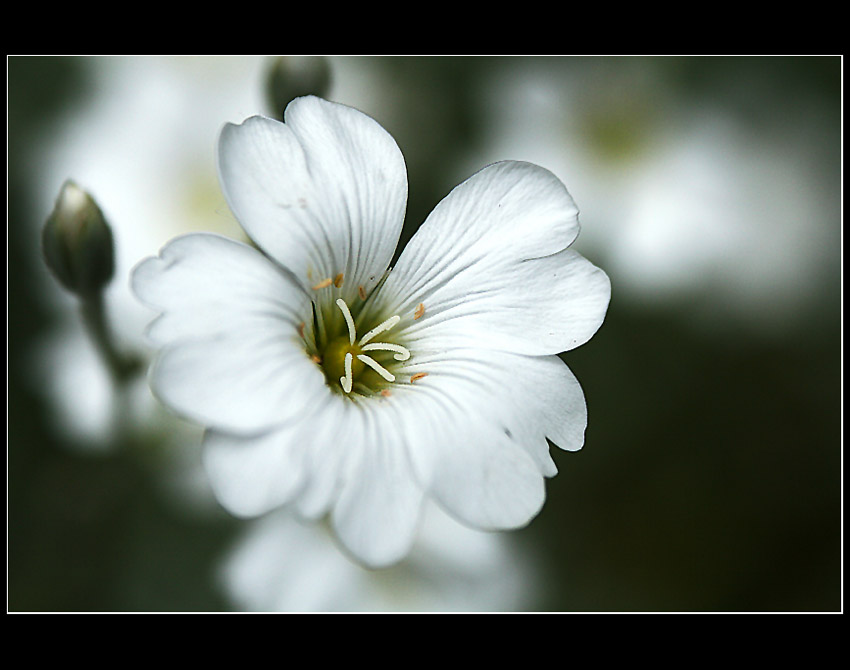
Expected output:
(122, 367)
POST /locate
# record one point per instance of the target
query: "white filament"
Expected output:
(401, 354)
(377, 367)
(348, 379)
(380, 328)
(348, 320)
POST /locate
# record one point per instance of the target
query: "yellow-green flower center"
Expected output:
(333, 359)
(353, 365)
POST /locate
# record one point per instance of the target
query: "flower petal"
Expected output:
(254, 475)
(341, 457)
(231, 357)
(491, 268)
(302, 462)
(378, 511)
(464, 458)
(323, 193)
(528, 398)
(480, 475)
(204, 284)
(328, 436)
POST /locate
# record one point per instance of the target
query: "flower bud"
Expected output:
(290, 77)
(77, 242)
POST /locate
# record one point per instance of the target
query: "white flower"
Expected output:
(329, 382)
(282, 564)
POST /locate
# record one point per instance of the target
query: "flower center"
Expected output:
(356, 364)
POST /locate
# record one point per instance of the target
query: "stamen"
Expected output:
(420, 310)
(377, 367)
(338, 280)
(347, 380)
(323, 284)
(352, 333)
(418, 375)
(361, 292)
(380, 328)
(401, 354)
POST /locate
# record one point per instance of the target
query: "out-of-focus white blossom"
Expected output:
(282, 564)
(682, 202)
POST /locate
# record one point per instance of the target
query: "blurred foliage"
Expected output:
(710, 480)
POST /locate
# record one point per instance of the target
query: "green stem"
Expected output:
(120, 366)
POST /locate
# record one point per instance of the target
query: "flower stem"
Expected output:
(122, 367)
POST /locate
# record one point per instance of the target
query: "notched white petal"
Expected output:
(323, 193)
(199, 277)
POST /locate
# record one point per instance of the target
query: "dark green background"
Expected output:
(712, 476)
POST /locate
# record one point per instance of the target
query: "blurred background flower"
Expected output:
(710, 193)
(723, 198)
(280, 564)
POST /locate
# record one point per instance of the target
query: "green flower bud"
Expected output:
(290, 77)
(77, 242)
